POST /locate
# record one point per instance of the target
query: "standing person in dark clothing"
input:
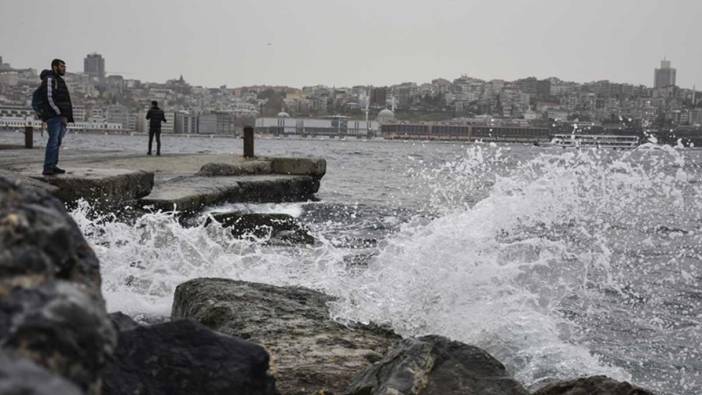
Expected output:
(59, 113)
(155, 117)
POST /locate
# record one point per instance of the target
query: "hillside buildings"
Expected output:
(103, 98)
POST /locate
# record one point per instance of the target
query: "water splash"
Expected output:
(563, 265)
(533, 271)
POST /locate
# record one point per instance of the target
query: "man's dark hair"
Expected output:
(56, 62)
(154, 103)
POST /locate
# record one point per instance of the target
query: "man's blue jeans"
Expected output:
(57, 129)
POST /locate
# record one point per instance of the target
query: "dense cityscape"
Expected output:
(113, 102)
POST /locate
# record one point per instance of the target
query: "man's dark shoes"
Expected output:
(53, 171)
(148, 153)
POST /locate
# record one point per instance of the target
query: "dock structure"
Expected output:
(184, 182)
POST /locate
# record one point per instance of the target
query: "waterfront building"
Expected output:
(217, 122)
(118, 113)
(184, 122)
(16, 112)
(79, 113)
(334, 126)
(8, 122)
(465, 132)
(385, 116)
(696, 117)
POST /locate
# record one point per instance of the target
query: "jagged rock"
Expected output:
(594, 385)
(184, 357)
(434, 365)
(39, 241)
(280, 227)
(248, 167)
(310, 352)
(20, 376)
(122, 322)
(59, 326)
(51, 307)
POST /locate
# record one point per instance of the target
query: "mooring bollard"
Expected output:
(28, 137)
(248, 142)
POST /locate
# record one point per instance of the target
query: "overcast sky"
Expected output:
(343, 43)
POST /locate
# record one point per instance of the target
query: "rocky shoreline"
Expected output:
(224, 337)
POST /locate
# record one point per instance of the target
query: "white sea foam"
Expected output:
(548, 239)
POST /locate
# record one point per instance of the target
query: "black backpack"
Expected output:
(40, 104)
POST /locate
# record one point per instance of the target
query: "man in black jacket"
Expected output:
(155, 117)
(59, 113)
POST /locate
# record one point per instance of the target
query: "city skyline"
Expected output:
(302, 44)
(94, 54)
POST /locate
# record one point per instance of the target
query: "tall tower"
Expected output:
(664, 76)
(94, 66)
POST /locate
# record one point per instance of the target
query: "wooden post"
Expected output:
(28, 137)
(248, 142)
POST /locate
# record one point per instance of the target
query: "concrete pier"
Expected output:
(186, 182)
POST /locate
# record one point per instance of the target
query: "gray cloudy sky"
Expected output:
(335, 42)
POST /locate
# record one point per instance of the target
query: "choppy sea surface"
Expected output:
(559, 262)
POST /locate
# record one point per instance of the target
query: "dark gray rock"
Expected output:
(184, 357)
(282, 228)
(51, 307)
(122, 322)
(310, 352)
(22, 377)
(240, 168)
(59, 326)
(39, 241)
(594, 385)
(434, 365)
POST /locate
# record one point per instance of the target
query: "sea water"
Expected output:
(561, 263)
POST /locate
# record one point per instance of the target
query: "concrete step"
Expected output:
(102, 188)
(193, 193)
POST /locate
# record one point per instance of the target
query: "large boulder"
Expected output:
(39, 241)
(184, 357)
(281, 228)
(22, 377)
(434, 365)
(122, 322)
(310, 353)
(595, 385)
(51, 308)
(59, 326)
